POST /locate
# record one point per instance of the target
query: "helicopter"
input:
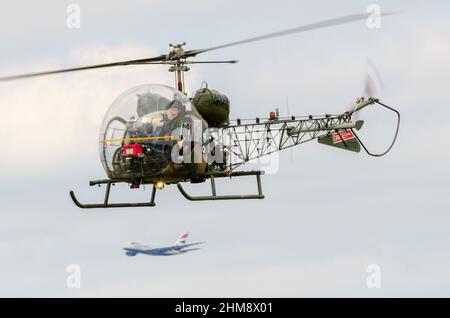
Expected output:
(156, 135)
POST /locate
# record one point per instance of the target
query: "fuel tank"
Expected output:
(213, 106)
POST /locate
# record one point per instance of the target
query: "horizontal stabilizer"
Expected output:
(344, 139)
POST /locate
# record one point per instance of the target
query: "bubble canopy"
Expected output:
(135, 136)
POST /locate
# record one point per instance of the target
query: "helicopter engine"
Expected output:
(213, 106)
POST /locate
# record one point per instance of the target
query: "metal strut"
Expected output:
(106, 203)
(214, 196)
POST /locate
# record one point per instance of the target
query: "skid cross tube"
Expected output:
(214, 196)
(106, 203)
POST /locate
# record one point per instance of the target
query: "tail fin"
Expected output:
(344, 139)
(182, 239)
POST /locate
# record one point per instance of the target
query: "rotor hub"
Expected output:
(177, 53)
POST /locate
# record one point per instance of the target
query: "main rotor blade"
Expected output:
(131, 62)
(211, 62)
(169, 62)
(303, 28)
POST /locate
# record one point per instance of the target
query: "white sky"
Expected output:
(327, 215)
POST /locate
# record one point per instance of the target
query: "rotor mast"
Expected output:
(178, 67)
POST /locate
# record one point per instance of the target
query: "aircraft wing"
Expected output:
(190, 250)
(191, 244)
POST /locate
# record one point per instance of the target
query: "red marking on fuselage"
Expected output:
(342, 135)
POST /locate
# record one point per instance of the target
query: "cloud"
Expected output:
(51, 119)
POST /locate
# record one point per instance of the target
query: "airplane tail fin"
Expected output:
(182, 239)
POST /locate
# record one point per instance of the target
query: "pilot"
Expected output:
(162, 126)
(173, 111)
(175, 108)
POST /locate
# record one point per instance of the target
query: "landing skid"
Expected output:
(209, 175)
(214, 196)
(106, 203)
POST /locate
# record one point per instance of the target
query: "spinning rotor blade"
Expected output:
(169, 62)
(372, 86)
(304, 28)
(168, 59)
(131, 62)
(211, 62)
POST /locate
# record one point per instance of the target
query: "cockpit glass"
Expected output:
(136, 134)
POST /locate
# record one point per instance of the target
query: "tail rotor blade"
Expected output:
(372, 86)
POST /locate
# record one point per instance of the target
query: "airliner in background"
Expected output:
(180, 247)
